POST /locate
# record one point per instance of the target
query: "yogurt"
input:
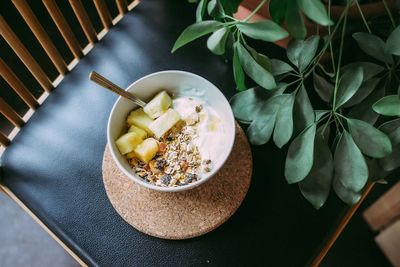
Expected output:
(209, 129)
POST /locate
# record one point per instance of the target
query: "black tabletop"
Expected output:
(54, 164)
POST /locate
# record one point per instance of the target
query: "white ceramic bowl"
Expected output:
(174, 82)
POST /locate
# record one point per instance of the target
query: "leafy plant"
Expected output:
(346, 144)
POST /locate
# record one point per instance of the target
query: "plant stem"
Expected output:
(327, 123)
(340, 122)
(230, 17)
(389, 13)
(336, 123)
(339, 61)
(230, 23)
(337, 115)
(363, 18)
(298, 80)
(255, 10)
(340, 115)
(325, 116)
(330, 43)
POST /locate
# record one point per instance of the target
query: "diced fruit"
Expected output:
(140, 119)
(162, 124)
(147, 150)
(158, 105)
(142, 133)
(128, 142)
(130, 155)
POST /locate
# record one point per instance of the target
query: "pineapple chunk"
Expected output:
(140, 119)
(142, 133)
(128, 142)
(158, 105)
(130, 155)
(146, 150)
(162, 124)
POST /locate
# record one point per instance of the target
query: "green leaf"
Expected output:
(308, 52)
(245, 105)
(347, 196)
(393, 42)
(303, 113)
(300, 52)
(295, 22)
(350, 166)
(370, 70)
(217, 41)
(260, 75)
(388, 106)
(284, 122)
(315, 10)
(370, 140)
(261, 59)
(392, 129)
(365, 89)
(316, 186)
(277, 10)
(238, 72)
(260, 130)
(201, 10)
(364, 111)
(299, 159)
(349, 83)
(323, 88)
(373, 46)
(279, 67)
(215, 9)
(392, 161)
(265, 30)
(293, 51)
(211, 7)
(195, 31)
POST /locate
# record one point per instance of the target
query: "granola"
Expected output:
(177, 162)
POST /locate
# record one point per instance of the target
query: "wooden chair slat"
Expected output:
(4, 139)
(64, 28)
(42, 36)
(10, 114)
(122, 6)
(385, 210)
(11, 38)
(104, 13)
(133, 4)
(16, 84)
(84, 20)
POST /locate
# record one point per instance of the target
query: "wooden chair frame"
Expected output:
(18, 86)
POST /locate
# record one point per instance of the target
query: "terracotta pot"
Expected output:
(369, 10)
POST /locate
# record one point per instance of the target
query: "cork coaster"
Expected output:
(184, 214)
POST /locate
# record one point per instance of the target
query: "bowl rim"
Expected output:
(214, 171)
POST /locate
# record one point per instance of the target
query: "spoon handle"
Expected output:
(103, 82)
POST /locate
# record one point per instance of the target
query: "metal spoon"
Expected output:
(103, 82)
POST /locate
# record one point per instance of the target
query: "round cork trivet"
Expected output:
(184, 214)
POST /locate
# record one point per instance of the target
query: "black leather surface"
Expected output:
(54, 164)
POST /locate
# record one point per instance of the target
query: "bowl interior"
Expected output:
(176, 83)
